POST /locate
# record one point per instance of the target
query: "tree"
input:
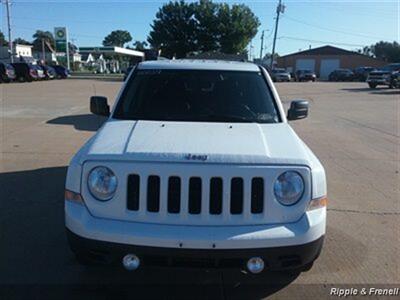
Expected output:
(383, 50)
(21, 41)
(40, 35)
(3, 41)
(207, 31)
(366, 51)
(140, 45)
(173, 30)
(117, 38)
(180, 28)
(387, 51)
(237, 26)
(72, 48)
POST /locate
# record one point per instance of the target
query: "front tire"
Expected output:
(372, 85)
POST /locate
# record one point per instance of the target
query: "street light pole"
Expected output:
(280, 9)
(10, 43)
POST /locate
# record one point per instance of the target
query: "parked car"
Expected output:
(62, 72)
(341, 75)
(305, 75)
(127, 72)
(40, 72)
(197, 164)
(49, 72)
(280, 75)
(25, 72)
(7, 73)
(382, 76)
(361, 73)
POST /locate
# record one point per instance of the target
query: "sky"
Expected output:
(346, 24)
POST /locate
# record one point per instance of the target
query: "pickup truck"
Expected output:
(383, 76)
(197, 166)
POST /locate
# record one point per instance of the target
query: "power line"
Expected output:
(331, 30)
(322, 42)
(80, 21)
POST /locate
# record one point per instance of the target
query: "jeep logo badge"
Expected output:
(196, 157)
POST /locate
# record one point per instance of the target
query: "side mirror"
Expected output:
(99, 106)
(298, 110)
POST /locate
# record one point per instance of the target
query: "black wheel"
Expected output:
(372, 85)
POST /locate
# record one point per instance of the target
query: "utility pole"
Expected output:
(43, 52)
(10, 43)
(262, 44)
(67, 49)
(251, 50)
(280, 9)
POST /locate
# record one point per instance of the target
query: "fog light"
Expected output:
(131, 262)
(255, 265)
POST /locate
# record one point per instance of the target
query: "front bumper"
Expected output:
(289, 245)
(275, 258)
(378, 81)
(308, 228)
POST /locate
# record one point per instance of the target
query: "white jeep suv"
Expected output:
(197, 166)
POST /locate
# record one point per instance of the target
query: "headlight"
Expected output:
(102, 183)
(289, 188)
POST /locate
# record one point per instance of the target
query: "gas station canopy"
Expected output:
(112, 50)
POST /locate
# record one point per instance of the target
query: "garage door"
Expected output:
(305, 64)
(327, 66)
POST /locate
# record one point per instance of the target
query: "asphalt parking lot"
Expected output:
(353, 130)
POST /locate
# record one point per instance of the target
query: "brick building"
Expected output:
(324, 60)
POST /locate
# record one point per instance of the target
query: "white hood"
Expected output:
(156, 141)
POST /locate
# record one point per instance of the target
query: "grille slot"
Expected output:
(216, 196)
(133, 192)
(174, 195)
(257, 195)
(195, 195)
(153, 193)
(236, 195)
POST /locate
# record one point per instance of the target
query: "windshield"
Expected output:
(197, 95)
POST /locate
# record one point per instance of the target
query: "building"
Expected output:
(49, 57)
(21, 53)
(324, 60)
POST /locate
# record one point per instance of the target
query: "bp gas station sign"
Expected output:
(60, 36)
(61, 39)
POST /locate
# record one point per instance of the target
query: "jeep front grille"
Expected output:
(196, 194)
(197, 202)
